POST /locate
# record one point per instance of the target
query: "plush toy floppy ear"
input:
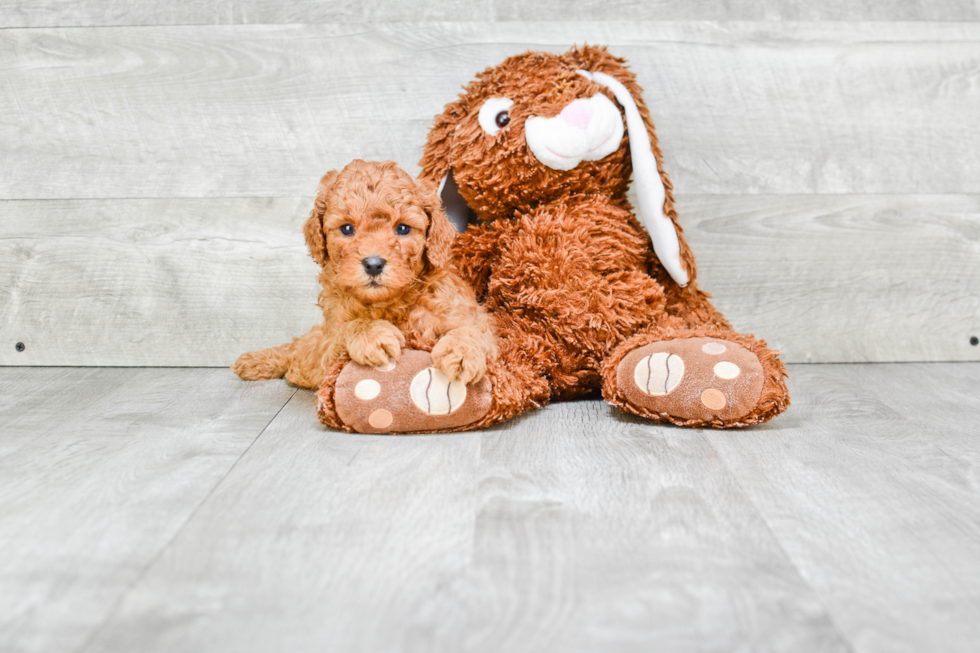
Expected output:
(439, 234)
(313, 229)
(655, 205)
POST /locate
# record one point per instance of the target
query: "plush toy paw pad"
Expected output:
(434, 393)
(407, 396)
(659, 373)
(692, 378)
(367, 389)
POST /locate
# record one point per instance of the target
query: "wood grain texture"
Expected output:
(86, 13)
(320, 540)
(741, 108)
(567, 531)
(90, 13)
(99, 469)
(871, 482)
(601, 532)
(850, 523)
(737, 10)
(844, 278)
(199, 281)
(153, 282)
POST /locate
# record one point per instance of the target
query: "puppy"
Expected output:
(383, 244)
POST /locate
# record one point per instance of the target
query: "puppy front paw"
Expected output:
(459, 358)
(261, 365)
(376, 345)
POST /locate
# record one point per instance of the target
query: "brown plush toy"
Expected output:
(536, 157)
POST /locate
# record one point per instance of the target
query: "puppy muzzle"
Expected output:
(374, 265)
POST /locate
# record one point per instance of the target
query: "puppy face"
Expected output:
(376, 231)
(375, 242)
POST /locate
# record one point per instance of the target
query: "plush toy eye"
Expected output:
(347, 229)
(403, 230)
(494, 114)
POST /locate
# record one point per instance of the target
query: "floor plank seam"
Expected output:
(789, 559)
(169, 543)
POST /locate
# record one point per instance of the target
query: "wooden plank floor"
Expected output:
(185, 510)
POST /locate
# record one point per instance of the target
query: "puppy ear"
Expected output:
(440, 233)
(313, 229)
(653, 187)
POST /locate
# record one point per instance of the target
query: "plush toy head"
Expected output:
(541, 126)
(375, 231)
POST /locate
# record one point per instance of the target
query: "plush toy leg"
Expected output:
(410, 396)
(696, 377)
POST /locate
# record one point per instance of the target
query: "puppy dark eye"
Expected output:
(403, 230)
(502, 119)
(347, 229)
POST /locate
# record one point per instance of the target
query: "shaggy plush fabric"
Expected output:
(562, 264)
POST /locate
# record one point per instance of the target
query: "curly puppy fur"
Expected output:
(365, 213)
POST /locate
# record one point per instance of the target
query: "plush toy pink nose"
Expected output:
(577, 114)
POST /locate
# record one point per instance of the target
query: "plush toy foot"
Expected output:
(692, 380)
(407, 396)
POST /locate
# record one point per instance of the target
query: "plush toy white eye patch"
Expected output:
(587, 129)
(494, 115)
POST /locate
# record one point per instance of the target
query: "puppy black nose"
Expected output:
(373, 265)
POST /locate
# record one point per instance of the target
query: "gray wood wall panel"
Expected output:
(199, 281)
(721, 10)
(88, 13)
(747, 107)
(844, 278)
(99, 470)
(153, 282)
(85, 13)
(565, 531)
(870, 482)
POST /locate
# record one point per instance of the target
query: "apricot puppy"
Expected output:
(383, 244)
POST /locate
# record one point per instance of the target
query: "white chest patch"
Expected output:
(586, 130)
